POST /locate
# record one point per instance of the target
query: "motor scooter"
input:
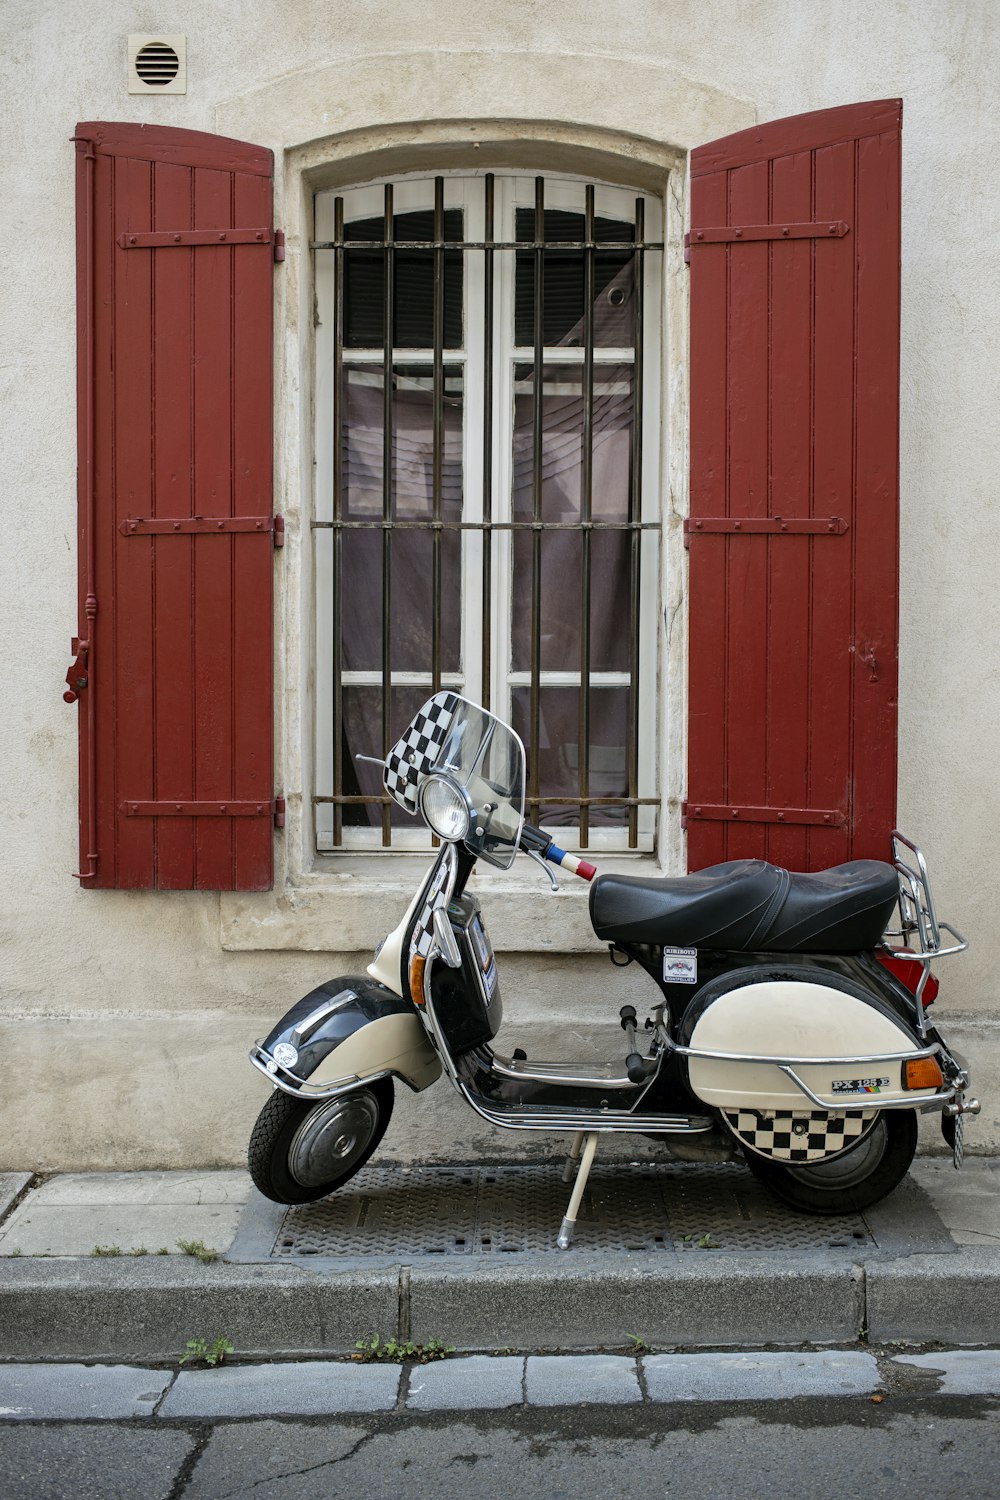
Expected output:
(787, 1023)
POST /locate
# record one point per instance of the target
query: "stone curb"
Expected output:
(123, 1309)
(75, 1392)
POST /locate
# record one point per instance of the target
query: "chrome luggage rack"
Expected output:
(918, 917)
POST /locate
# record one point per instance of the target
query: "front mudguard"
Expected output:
(344, 1033)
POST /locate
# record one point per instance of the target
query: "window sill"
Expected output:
(350, 911)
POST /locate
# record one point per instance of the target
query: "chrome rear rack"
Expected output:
(918, 919)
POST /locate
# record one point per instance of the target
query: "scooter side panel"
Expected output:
(394, 1044)
(793, 1019)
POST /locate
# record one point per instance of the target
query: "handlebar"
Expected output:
(537, 842)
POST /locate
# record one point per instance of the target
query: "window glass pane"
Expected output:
(611, 602)
(413, 303)
(561, 552)
(560, 602)
(559, 751)
(563, 282)
(562, 442)
(411, 551)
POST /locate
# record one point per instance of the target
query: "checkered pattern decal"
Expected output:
(789, 1135)
(437, 895)
(413, 756)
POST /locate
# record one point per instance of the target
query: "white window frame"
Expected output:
(464, 190)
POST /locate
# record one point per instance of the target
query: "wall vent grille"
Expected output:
(157, 63)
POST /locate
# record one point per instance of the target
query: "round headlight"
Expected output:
(445, 809)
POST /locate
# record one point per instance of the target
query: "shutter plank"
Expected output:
(174, 556)
(789, 615)
(213, 598)
(133, 583)
(831, 701)
(876, 514)
(103, 664)
(748, 496)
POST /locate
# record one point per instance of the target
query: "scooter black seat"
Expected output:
(748, 904)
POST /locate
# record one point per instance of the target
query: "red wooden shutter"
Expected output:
(793, 534)
(175, 254)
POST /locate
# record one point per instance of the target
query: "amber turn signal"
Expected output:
(417, 965)
(922, 1073)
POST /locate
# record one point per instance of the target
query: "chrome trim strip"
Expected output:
(308, 1025)
(600, 1120)
(291, 1083)
(916, 1101)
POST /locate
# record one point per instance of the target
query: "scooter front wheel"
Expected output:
(302, 1149)
(854, 1179)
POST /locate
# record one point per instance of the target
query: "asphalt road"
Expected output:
(830, 1449)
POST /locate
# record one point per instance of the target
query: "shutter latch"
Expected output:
(77, 677)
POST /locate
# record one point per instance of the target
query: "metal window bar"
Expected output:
(338, 499)
(634, 512)
(537, 414)
(487, 542)
(388, 343)
(489, 525)
(586, 502)
(437, 461)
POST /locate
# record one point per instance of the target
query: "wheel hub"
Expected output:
(331, 1138)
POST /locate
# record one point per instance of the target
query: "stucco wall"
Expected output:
(124, 1017)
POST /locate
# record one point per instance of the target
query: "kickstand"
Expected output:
(574, 1156)
(576, 1198)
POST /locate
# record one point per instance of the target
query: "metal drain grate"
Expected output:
(514, 1210)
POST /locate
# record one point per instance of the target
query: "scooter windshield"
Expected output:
(478, 753)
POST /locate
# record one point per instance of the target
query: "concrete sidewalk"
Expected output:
(120, 1266)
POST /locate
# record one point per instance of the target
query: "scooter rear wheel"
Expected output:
(854, 1179)
(303, 1149)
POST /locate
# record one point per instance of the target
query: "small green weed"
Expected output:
(163, 1250)
(395, 1352)
(200, 1351)
(17, 1250)
(199, 1250)
(707, 1243)
(138, 1250)
(638, 1343)
(106, 1250)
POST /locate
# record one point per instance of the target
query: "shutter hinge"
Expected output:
(193, 239)
(140, 526)
(279, 244)
(811, 817)
(730, 234)
(185, 808)
(764, 526)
